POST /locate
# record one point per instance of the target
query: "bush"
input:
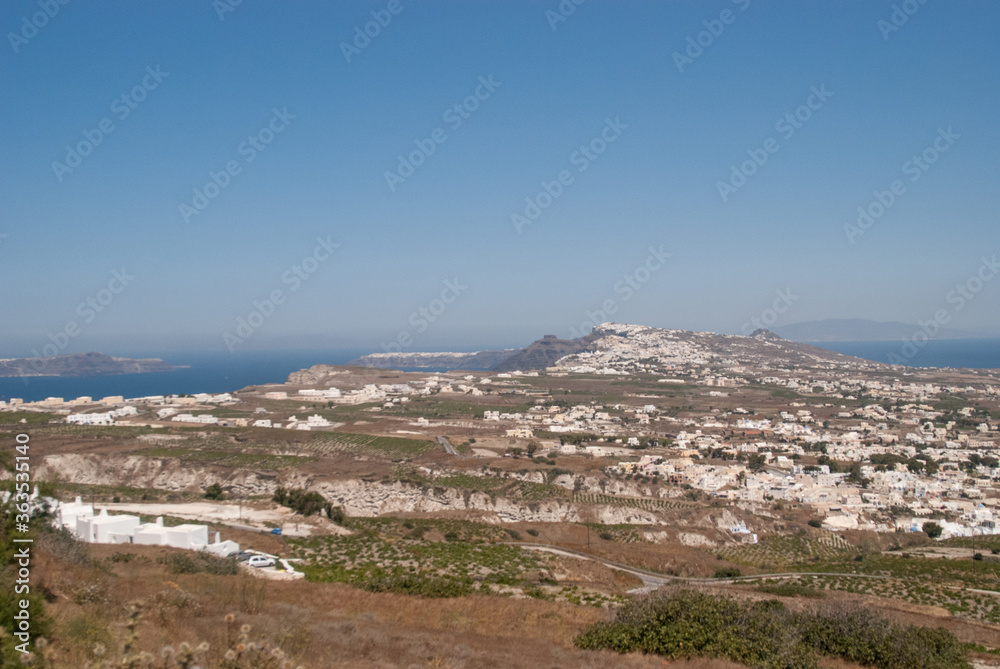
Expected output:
(337, 515)
(790, 590)
(727, 572)
(191, 562)
(815, 523)
(301, 501)
(933, 530)
(687, 623)
(533, 532)
(765, 635)
(213, 491)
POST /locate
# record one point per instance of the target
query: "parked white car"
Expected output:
(260, 561)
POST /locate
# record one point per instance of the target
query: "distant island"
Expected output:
(858, 329)
(81, 364)
(625, 342)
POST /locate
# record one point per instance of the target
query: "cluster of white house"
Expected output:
(102, 528)
(294, 423)
(101, 418)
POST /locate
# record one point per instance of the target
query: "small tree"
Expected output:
(335, 513)
(213, 491)
(933, 530)
(532, 447)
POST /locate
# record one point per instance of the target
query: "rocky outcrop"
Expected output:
(314, 376)
(544, 353)
(359, 498)
(137, 471)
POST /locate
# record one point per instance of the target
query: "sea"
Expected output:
(221, 371)
(205, 372)
(971, 353)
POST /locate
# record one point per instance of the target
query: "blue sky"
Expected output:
(671, 135)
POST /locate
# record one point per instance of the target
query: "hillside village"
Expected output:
(863, 445)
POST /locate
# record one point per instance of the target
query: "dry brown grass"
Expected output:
(321, 625)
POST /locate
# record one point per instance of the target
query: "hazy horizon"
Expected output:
(174, 169)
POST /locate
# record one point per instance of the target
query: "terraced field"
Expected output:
(494, 486)
(959, 602)
(92, 431)
(29, 418)
(230, 458)
(387, 554)
(634, 502)
(395, 448)
(774, 552)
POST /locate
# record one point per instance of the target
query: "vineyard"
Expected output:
(643, 503)
(230, 458)
(494, 486)
(775, 552)
(394, 555)
(394, 448)
(959, 602)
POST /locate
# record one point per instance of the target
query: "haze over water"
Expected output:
(217, 372)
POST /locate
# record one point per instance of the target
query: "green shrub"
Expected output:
(191, 562)
(727, 572)
(306, 503)
(337, 514)
(765, 635)
(789, 590)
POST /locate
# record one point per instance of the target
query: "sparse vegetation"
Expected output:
(766, 635)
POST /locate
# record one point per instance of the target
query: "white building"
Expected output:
(105, 529)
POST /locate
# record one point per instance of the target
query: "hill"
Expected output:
(81, 364)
